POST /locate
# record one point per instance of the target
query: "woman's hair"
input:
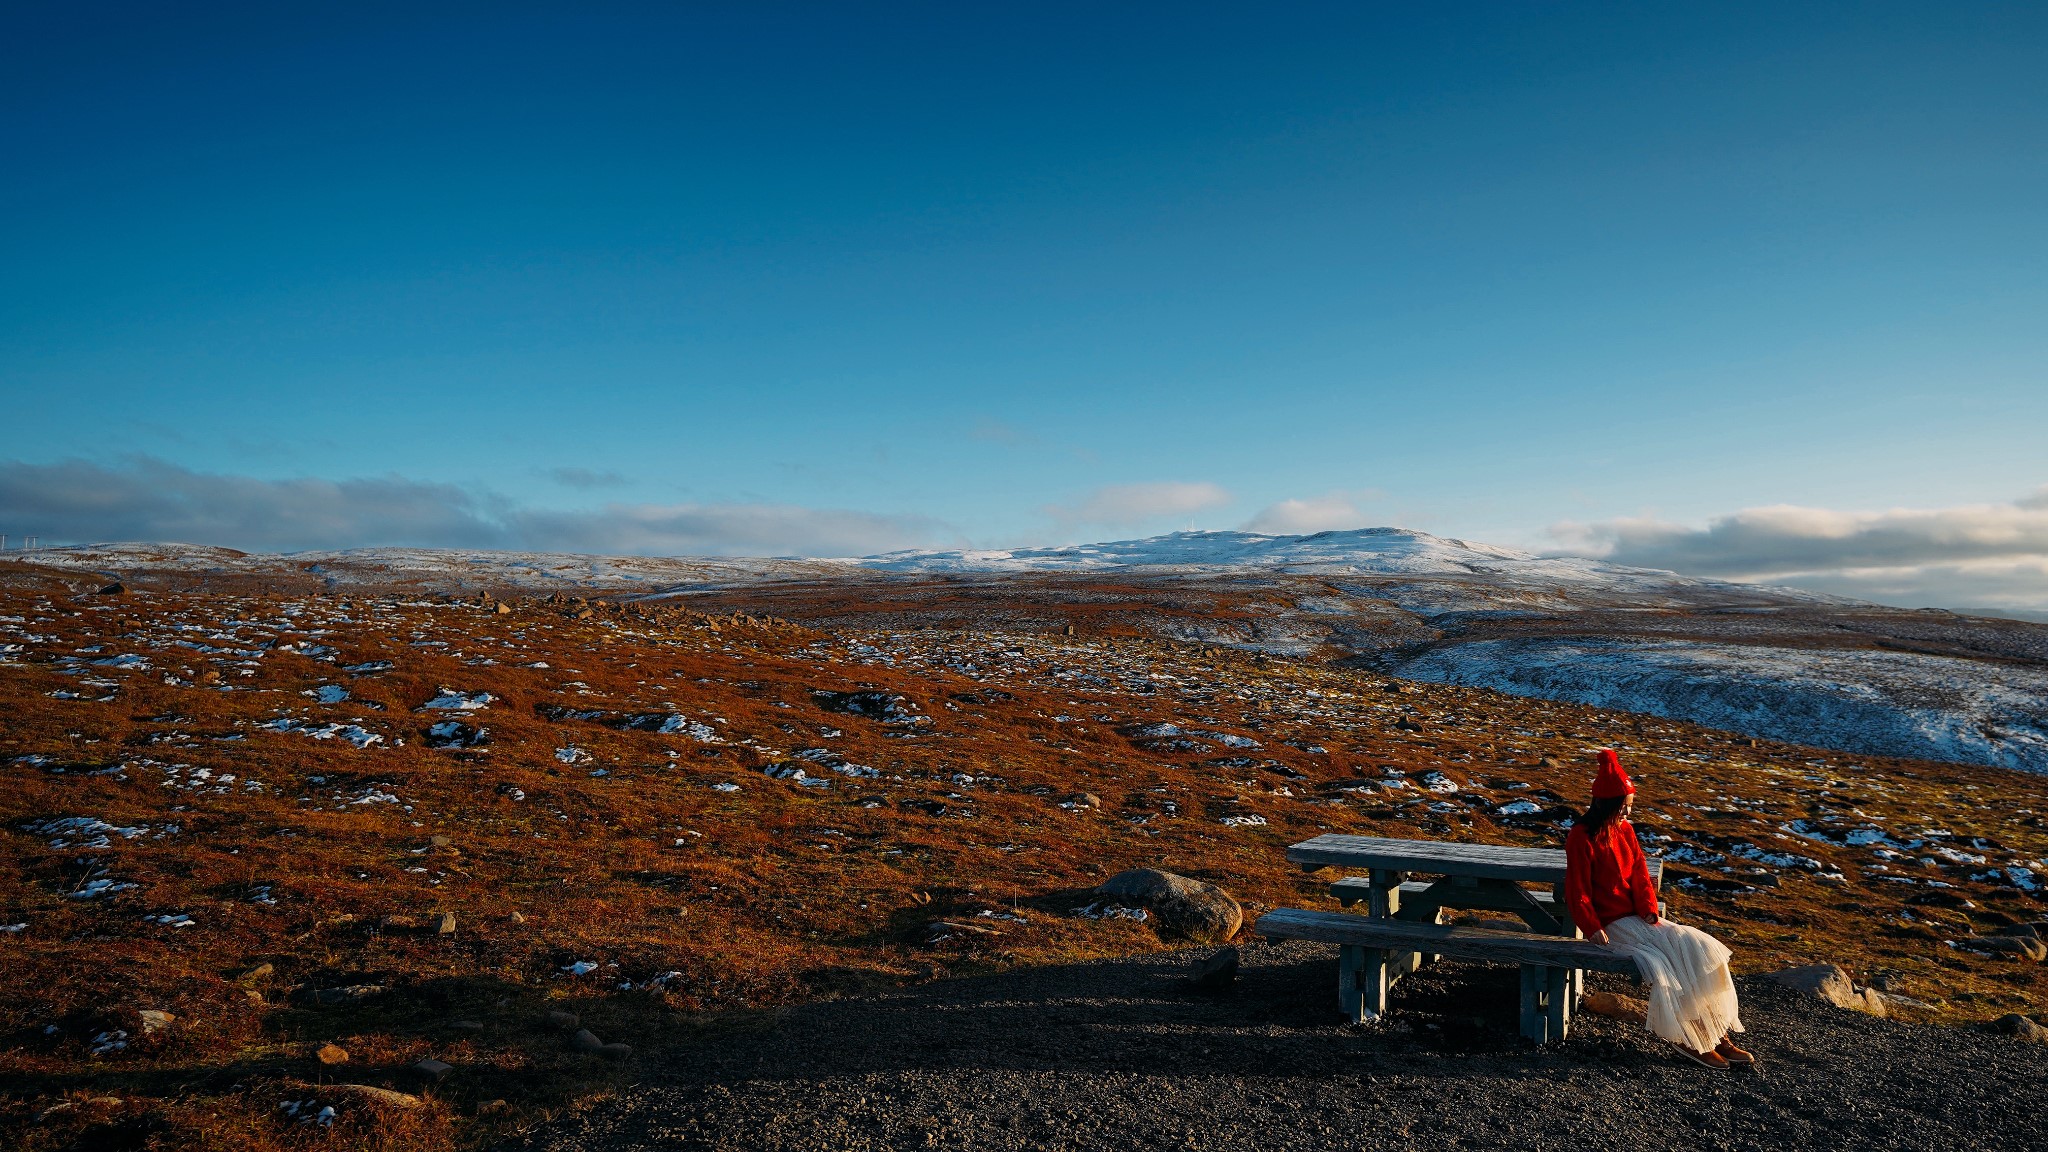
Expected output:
(1600, 813)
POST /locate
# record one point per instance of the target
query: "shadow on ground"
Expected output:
(1123, 1055)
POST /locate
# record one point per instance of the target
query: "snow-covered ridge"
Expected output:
(1388, 550)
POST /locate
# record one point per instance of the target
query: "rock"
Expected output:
(1615, 1006)
(1548, 762)
(115, 589)
(253, 996)
(493, 1107)
(1179, 906)
(348, 994)
(154, 1020)
(504, 609)
(1873, 1002)
(440, 841)
(615, 1051)
(1084, 800)
(2027, 948)
(466, 1025)
(2020, 1028)
(331, 1054)
(444, 924)
(398, 923)
(516, 917)
(374, 1095)
(1825, 982)
(433, 1070)
(1216, 973)
(563, 1020)
(586, 1041)
(259, 972)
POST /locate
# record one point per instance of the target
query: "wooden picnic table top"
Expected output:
(1439, 858)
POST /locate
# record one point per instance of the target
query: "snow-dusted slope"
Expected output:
(1875, 702)
(1387, 550)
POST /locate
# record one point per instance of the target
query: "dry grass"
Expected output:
(775, 892)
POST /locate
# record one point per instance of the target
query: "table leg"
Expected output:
(1362, 978)
(1557, 1010)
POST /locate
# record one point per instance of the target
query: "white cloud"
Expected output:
(1330, 512)
(1128, 505)
(585, 478)
(1988, 556)
(145, 499)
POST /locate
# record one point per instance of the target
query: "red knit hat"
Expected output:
(1611, 781)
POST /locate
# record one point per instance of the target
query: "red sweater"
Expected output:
(1607, 877)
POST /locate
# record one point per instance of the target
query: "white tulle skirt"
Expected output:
(1692, 997)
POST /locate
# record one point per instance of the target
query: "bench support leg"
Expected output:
(1361, 982)
(1547, 1001)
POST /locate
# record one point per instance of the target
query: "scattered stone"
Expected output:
(563, 1020)
(586, 1041)
(1216, 973)
(154, 1020)
(1615, 1006)
(517, 918)
(2020, 1028)
(1083, 800)
(433, 1070)
(253, 996)
(444, 924)
(115, 589)
(440, 841)
(398, 923)
(493, 1107)
(2027, 948)
(503, 609)
(331, 1054)
(347, 994)
(615, 1051)
(376, 1095)
(1179, 906)
(1830, 983)
(259, 972)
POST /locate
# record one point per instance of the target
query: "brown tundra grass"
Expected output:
(308, 865)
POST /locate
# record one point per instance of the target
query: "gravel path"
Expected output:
(1121, 1056)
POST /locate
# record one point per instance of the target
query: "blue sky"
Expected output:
(763, 277)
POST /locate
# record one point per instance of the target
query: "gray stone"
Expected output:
(2020, 1028)
(2026, 948)
(155, 1020)
(1216, 973)
(586, 1041)
(564, 1020)
(1825, 982)
(444, 925)
(1179, 906)
(433, 1070)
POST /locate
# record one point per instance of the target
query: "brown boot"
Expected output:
(1727, 1051)
(1706, 1059)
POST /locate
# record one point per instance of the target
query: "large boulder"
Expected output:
(1179, 907)
(1831, 983)
(2020, 1028)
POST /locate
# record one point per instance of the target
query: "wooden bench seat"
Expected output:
(1367, 946)
(1412, 894)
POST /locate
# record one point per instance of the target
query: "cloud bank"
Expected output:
(1332, 512)
(1981, 556)
(1131, 505)
(145, 499)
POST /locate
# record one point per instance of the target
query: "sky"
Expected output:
(1748, 291)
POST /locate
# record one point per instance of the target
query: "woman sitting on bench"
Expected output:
(1607, 889)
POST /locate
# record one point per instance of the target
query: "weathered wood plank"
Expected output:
(1450, 940)
(1438, 857)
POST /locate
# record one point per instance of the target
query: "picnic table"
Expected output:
(1470, 876)
(1404, 917)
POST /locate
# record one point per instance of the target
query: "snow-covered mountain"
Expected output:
(1378, 550)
